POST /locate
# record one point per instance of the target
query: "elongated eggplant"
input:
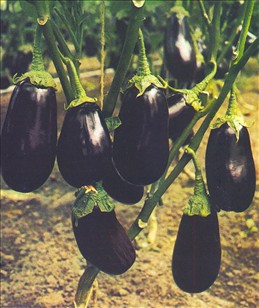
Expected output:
(29, 137)
(84, 146)
(179, 54)
(197, 253)
(180, 114)
(230, 169)
(141, 148)
(103, 241)
(119, 189)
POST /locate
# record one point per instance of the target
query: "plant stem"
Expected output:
(84, 289)
(214, 36)
(143, 66)
(37, 61)
(44, 16)
(245, 27)
(123, 65)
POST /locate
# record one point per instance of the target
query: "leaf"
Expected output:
(29, 8)
(112, 123)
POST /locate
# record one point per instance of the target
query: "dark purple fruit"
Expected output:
(103, 242)
(84, 146)
(197, 253)
(141, 148)
(230, 169)
(29, 137)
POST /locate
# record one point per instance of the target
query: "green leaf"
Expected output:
(29, 8)
(112, 123)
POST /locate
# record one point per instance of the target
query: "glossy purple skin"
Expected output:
(197, 253)
(103, 241)
(179, 51)
(230, 169)
(29, 137)
(121, 190)
(84, 146)
(141, 149)
(180, 115)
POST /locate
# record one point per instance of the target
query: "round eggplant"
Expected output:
(84, 146)
(230, 169)
(197, 253)
(141, 147)
(29, 137)
(180, 115)
(119, 189)
(103, 242)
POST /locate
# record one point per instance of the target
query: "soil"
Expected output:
(41, 264)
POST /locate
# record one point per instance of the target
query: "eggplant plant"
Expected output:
(110, 150)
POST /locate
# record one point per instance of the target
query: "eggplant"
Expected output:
(84, 146)
(29, 137)
(180, 115)
(121, 190)
(179, 52)
(197, 253)
(103, 242)
(141, 148)
(230, 169)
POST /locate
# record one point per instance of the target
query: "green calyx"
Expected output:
(40, 79)
(143, 82)
(87, 197)
(143, 79)
(199, 203)
(80, 101)
(233, 116)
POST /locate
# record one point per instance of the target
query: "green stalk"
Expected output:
(150, 203)
(125, 58)
(232, 109)
(44, 16)
(214, 37)
(245, 27)
(37, 61)
(143, 66)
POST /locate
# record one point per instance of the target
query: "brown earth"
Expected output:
(41, 264)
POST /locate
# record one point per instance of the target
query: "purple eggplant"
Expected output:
(197, 253)
(230, 169)
(179, 53)
(103, 242)
(84, 146)
(121, 190)
(180, 115)
(29, 137)
(141, 148)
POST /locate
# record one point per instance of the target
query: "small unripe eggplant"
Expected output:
(197, 253)
(103, 242)
(230, 169)
(84, 146)
(180, 115)
(179, 53)
(121, 190)
(141, 147)
(29, 137)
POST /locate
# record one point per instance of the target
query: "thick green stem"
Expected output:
(125, 58)
(37, 61)
(199, 187)
(44, 16)
(143, 66)
(214, 37)
(84, 289)
(150, 203)
(245, 27)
